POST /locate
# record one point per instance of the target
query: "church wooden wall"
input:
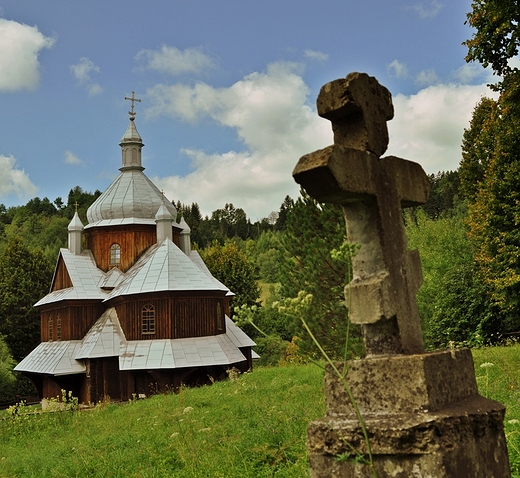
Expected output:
(61, 277)
(134, 239)
(76, 320)
(175, 317)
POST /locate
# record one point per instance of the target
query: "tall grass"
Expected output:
(252, 427)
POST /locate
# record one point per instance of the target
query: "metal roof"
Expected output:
(106, 339)
(85, 277)
(53, 358)
(131, 196)
(180, 353)
(165, 268)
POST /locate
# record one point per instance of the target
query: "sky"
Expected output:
(228, 90)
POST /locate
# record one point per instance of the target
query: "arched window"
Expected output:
(115, 254)
(148, 319)
(50, 331)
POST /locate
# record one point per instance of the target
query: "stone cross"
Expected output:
(132, 99)
(372, 192)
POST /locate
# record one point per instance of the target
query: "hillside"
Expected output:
(252, 427)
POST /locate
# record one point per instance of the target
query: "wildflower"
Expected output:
(187, 410)
(514, 421)
(487, 365)
(205, 430)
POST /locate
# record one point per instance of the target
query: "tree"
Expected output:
(312, 231)
(25, 276)
(230, 266)
(452, 301)
(7, 377)
(497, 35)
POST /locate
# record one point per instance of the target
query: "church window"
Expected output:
(50, 329)
(220, 317)
(148, 319)
(58, 327)
(115, 254)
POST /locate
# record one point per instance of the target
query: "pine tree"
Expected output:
(312, 231)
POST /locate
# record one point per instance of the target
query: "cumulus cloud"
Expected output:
(426, 78)
(428, 126)
(14, 180)
(271, 115)
(396, 69)
(175, 62)
(316, 55)
(20, 46)
(71, 158)
(427, 10)
(82, 72)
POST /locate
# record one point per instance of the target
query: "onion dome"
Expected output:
(132, 198)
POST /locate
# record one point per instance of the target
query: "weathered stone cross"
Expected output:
(372, 191)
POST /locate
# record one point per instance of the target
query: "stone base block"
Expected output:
(424, 418)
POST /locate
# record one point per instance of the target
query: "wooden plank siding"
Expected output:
(69, 321)
(61, 278)
(134, 240)
(175, 317)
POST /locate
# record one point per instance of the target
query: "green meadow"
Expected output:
(252, 427)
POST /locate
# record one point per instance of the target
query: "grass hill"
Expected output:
(252, 427)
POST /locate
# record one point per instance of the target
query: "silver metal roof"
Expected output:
(106, 339)
(131, 196)
(165, 268)
(53, 358)
(85, 277)
(179, 353)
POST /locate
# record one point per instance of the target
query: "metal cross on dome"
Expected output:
(133, 99)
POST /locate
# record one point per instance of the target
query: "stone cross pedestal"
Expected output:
(422, 411)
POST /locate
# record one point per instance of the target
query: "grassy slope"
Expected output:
(253, 427)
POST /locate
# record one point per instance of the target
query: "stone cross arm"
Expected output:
(340, 175)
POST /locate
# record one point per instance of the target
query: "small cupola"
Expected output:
(75, 235)
(164, 220)
(185, 237)
(131, 142)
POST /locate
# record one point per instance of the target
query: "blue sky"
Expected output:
(228, 90)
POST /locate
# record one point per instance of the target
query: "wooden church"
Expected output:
(132, 309)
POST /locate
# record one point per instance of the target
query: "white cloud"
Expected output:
(271, 115)
(426, 78)
(14, 180)
(316, 55)
(82, 72)
(20, 45)
(396, 69)
(428, 126)
(427, 10)
(176, 62)
(71, 158)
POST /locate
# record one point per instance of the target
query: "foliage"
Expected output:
(186, 435)
(25, 276)
(312, 231)
(452, 301)
(497, 34)
(494, 211)
(7, 377)
(230, 266)
(444, 194)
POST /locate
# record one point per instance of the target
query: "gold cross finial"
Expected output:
(76, 206)
(133, 99)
